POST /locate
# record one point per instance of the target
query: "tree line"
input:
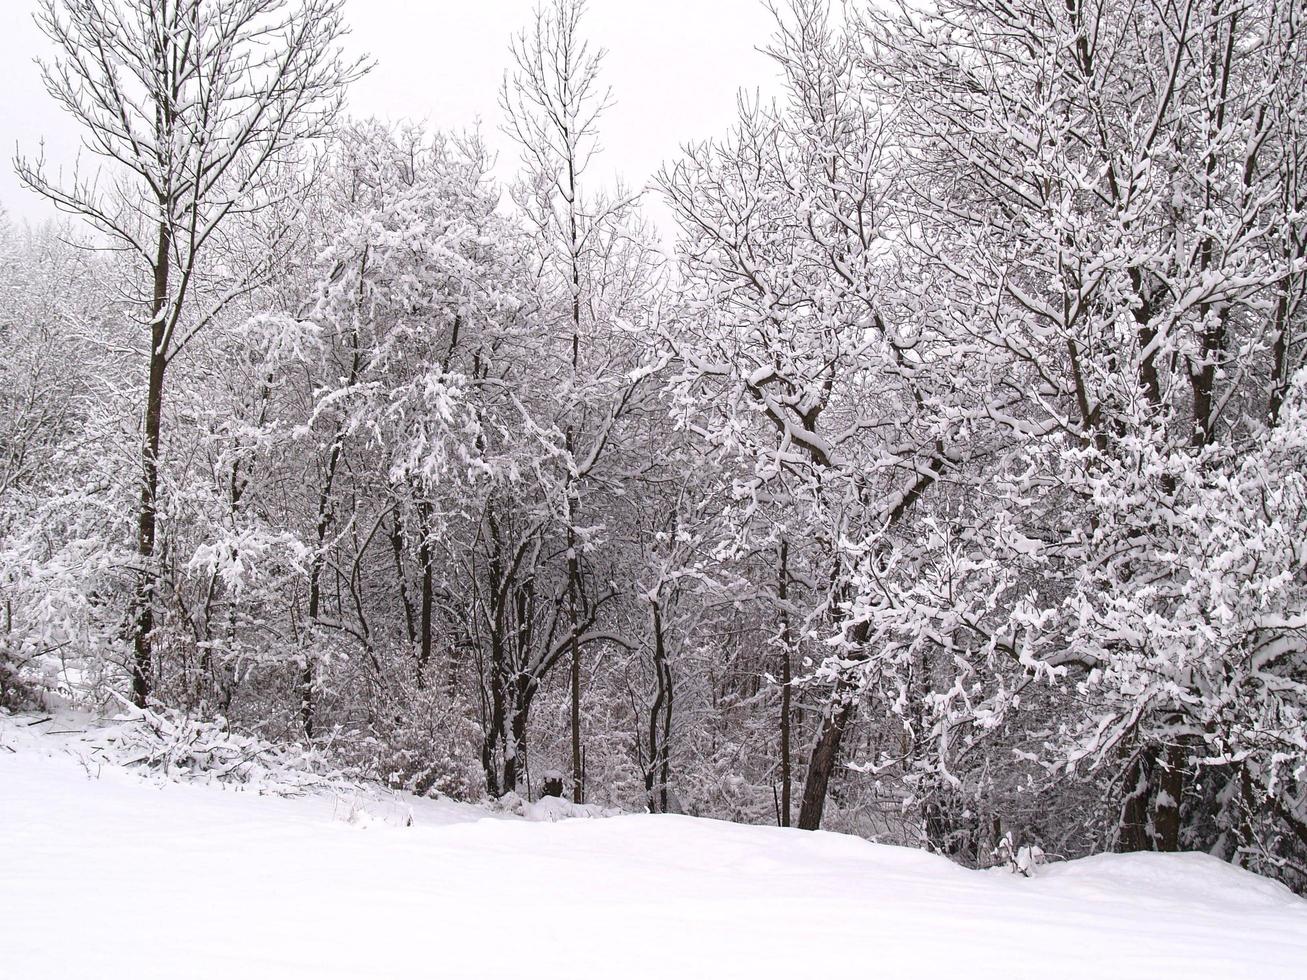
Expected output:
(945, 485)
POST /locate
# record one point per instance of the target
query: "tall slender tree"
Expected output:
(553, 99)
(191, 105)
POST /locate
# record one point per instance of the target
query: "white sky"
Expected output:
(674, 66)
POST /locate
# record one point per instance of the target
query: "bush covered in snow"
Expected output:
(181, 747)
(416, 741)
(551, 809)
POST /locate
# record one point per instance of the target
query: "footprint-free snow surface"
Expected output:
(106, 874)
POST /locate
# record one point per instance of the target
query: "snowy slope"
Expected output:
(106, 874)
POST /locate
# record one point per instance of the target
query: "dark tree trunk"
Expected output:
(1279, 359)
(499, 726)
(306, 671)
(573, 501)
(324, 519)
(1133, 833)
(143, 628)
(574, 644)
(827, 750)
(824, 755)
(783, 594)
(1170, 794)
(515, 757)
(396, 536)
(424, 559)
(498, 711)
(658, 773)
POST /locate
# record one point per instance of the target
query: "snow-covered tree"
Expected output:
(795, 357)
(191, 107)
(1104, 210)
(593, 259)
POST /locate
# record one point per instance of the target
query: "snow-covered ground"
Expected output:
(105, 873)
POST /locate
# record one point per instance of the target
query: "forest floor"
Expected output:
(110, 872)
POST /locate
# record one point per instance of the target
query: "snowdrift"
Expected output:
(113, 872)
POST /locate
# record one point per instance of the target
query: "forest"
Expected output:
(943, 483)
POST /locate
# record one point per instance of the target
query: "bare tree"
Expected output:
(193, 106)
(553, 100)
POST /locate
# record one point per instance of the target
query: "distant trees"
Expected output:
(61, 451)
(387, 423)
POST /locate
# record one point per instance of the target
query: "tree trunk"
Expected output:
(515, 757)
(1166, 804)
(424, 559)
(306, 671)
(573, 502)
(307, 679)
(824, 754)
(1279, 359)
(786, 690)
(783, 594)
(658, 773)
(822, 762)
(573, 587)
(143, 629)
(324, 520)
(495, 728)
(1133, 831)
(396, 536)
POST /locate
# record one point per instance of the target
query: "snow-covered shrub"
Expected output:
(1022, 859)
(15, 691)
(551, 809)
(418, 739)
(186, 748)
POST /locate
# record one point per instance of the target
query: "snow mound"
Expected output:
(1157, 878)
(551, 809)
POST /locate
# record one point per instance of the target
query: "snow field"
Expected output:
(107, 873)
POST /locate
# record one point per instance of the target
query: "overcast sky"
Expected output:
(674, 66)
